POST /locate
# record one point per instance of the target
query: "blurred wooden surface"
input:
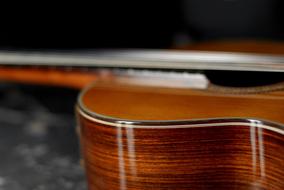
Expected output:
(245, 46)
(48, 76)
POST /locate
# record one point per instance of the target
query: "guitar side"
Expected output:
(164, 152)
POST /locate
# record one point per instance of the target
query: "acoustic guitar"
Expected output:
(171, 119)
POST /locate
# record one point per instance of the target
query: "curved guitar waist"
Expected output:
(137, 137)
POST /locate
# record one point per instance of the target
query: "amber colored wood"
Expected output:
(47, 76)
(216, 157)
(245, 46)
(194, 154)
(153, 103)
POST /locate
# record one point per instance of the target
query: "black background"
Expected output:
(138, 24)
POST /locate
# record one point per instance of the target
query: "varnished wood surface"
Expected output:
(231, 156)
(77, 79)
(245, 46)
(122, 154)
(153, 103)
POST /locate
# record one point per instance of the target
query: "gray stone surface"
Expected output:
(38, 144)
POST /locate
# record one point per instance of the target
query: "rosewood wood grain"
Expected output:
(150, 139)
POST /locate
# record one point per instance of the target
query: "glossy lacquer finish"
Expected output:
(229, 153)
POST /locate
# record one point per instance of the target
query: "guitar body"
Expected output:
(162, 119)
(139, 137)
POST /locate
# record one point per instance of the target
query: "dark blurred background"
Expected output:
(141, 24)
(38, 143)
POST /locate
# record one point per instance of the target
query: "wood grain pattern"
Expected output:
(241, 156)
(162, 154)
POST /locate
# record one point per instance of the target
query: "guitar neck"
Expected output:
(76, 69)
(148, 59)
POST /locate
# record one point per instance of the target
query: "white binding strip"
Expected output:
(127, 124)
